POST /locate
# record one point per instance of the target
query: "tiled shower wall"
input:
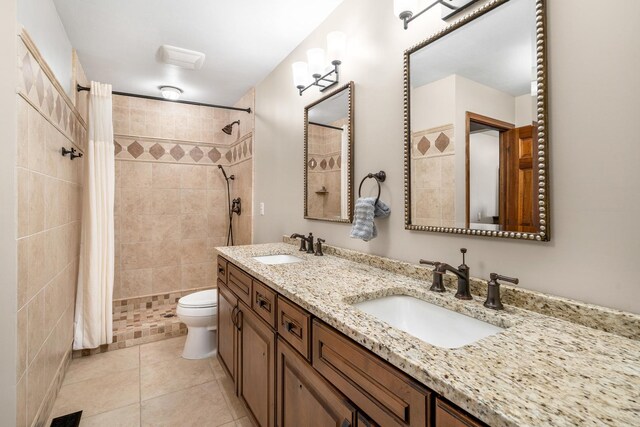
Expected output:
(324, 170)
(48, 233)
(171, 203)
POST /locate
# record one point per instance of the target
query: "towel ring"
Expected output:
(379, 177)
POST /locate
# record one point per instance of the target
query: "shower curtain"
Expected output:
(94, 298)
(344, 172)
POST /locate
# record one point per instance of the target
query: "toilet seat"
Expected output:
(200, 300)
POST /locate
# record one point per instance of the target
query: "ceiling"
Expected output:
(496, 50)
(243, 40)
(331, 110)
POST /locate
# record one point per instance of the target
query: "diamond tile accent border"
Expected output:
(39, 88)
(433, 142)
(326, 162)
(185, 152)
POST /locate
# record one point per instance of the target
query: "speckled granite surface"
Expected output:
(539, 371)
(605, 319)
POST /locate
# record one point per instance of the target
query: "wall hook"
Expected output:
(73, 153)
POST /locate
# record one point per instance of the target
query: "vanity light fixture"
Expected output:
(406, 9)
(171, 93)
(314, 71)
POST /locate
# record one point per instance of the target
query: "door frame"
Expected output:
(502, 127)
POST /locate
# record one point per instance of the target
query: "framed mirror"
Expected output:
(328, 154)
(476, 140)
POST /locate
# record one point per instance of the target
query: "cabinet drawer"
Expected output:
(222, 269)
(294, 325)
(448, 415)
(239, 282)
(388, 396)
(264, 303)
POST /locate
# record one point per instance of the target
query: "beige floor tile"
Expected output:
(161, 351)
(218, 370)
(235, 405)
(103, 364)
(231, 424)
(244, 422)
(199, 406)
(129, 416)
(173, 375)
(99, 395)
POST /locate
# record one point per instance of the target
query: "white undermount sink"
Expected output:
(431, 323)
(277, 259)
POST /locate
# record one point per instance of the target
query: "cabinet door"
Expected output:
(256, 366)
(388, 397)
(449, 416)
(227, 304)
(304, 397)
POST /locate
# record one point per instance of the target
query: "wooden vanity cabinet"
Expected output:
(293, 370)
(306, 399)
(256, 366)
(388, 397)
(448, 415)
(227, 332)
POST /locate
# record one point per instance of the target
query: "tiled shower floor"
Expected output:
(142, 320)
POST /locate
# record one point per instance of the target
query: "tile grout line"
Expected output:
(140, 385)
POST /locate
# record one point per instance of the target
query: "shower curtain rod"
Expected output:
(325, 126)
(156, 98)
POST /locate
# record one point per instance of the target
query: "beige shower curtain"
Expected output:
(94, 298)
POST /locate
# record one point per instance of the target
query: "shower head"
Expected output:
(227, 128)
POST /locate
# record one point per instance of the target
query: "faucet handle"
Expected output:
(436, 285)
(319, 247)
(303, 242)
(493, 300)
(496, 277)
(433, 263)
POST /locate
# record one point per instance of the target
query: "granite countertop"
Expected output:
(539, 371)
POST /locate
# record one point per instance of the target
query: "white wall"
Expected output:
(480, 99)
(40, 19)
(595, 178)
(8, 257)
(484, 152)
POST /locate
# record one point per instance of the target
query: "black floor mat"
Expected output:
(69, 420)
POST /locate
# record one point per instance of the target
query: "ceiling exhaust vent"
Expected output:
(184, 58)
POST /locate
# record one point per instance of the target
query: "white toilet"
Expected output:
(199, 311)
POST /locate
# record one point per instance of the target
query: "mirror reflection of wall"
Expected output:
(328, 131)
(473, 131)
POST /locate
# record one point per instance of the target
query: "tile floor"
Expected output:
(149, 385)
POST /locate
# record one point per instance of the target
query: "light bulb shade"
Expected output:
(336, 45)
(401, 6)
(300, 73)
(171, 93)
(316, 61)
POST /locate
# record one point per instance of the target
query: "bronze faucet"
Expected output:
(462, 272)
(303, 241)
(319, 247)
(306, 243)
(436, 285)
(493, 300)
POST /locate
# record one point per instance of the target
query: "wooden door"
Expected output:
(227, 305)
(304, 397)
(256, 366)
(519, 210)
